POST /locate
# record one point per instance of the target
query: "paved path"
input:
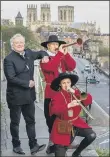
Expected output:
(41, 131)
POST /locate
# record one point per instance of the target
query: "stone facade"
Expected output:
(31, 14)
(19, 20)
(104, 62)
(105, 38)
(85, 26)
(65, 17)
(66, 14)
(7, 22)
(45, 13)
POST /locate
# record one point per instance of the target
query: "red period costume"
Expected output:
(59, 107)
(50, 69)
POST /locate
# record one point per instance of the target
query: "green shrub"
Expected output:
(103, 152)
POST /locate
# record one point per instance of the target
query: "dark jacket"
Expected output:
(18, 72)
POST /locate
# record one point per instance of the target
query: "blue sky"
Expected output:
(84, 11)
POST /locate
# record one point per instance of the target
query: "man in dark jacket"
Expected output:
(20, 94)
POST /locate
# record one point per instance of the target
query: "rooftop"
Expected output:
(19, 15)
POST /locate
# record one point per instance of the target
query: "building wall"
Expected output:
(6, 22)
(105, 38)
(66, 14)
(18, 22)
(104, 62)
(45, 13)
(85, 26)
(31, 14)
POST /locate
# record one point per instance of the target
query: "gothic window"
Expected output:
(30, 17)
(61, 15)
(71, 15)
(47, 16)
(43, 17)
(65, 15)
(34, 17)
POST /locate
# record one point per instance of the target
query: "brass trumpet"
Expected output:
(79, 42)
(83, 96)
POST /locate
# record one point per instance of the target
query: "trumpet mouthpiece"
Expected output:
(71, 90)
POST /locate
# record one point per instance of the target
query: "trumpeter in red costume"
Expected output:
(58, 60)
(68, 120)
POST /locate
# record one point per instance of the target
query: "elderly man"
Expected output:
(59, 61)
(20, 94)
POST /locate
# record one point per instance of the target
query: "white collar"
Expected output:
(50, 53)
(22, 53)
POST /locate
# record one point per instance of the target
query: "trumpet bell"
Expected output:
(79, 41)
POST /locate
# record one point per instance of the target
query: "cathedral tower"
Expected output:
(45, 13)
(31, 14)
(66, 14)
(19, 20)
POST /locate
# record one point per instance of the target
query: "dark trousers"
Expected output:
(89, 136)
(28, 112)
(49, 119)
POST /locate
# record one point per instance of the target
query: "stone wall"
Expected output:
(104, 62)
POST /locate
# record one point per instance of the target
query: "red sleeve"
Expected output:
(70, 62)
(52, 64)
(87, 101)
(77, 92)
(57, 106)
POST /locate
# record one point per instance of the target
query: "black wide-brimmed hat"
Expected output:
(56, 82)
(52, 38)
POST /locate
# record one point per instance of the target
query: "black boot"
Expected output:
(76, 155)
(37, 148)
(18, 150)
(50, 149)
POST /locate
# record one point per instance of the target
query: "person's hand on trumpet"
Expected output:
(63, 49)
(45, 59)
(73, 104)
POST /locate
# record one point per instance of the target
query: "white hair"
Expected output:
(14, 37)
